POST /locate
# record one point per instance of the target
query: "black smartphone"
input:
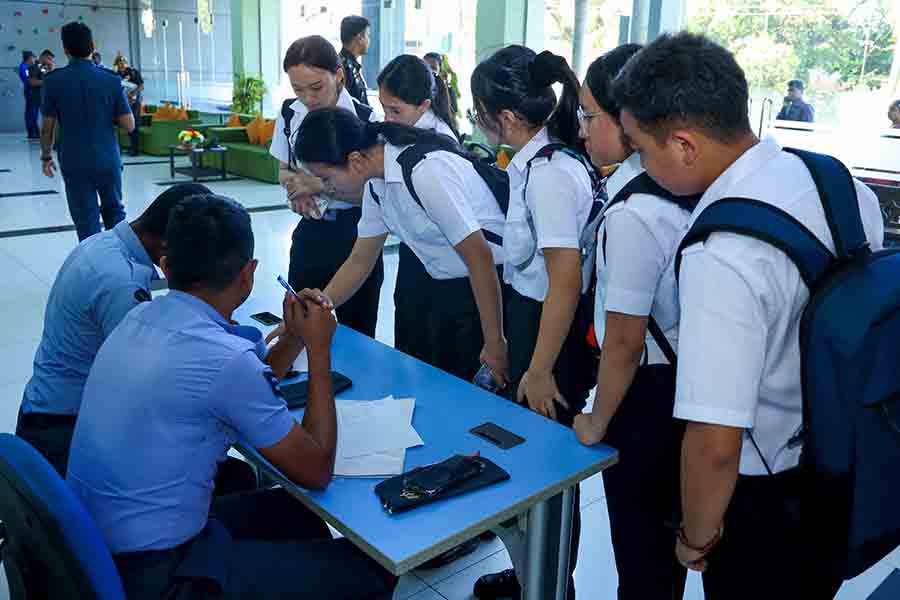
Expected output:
(267, 319)
(502, 438)
(296, 394)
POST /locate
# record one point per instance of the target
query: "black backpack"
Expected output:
(644, 184)
(849, 363)
(287, 114)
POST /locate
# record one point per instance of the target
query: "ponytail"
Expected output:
(440, 104)
(330, 135)
(517, 79)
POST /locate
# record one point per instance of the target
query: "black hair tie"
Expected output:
(546, 69)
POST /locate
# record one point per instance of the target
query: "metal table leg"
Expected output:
(547, 548)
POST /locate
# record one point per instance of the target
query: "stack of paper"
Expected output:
(373, 436)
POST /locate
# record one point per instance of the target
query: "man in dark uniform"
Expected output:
(795, 109)
(135, 98)
(31, 107)
(85, 103)
(355, 39)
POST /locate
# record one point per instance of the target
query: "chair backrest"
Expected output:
(53, 547)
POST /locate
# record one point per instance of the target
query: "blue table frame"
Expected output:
(550, 462)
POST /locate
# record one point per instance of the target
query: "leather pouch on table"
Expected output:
(423, 485)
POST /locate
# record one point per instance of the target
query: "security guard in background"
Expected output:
(325, 236)
(149, 439)
(684, 108)
(100, 281)
(85, 102)
(355, 42)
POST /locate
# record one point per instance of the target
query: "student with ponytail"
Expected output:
(411, 94)
(324, 237)
(548, 242)
(636, 322)
(442, 209)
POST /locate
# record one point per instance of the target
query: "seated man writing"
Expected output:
(171, 389)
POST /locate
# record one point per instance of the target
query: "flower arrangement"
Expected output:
(190, 137)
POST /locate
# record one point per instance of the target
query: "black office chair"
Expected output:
(51, 547)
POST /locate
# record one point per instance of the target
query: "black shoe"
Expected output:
(134, 154)
(453, 554)
(504, 584)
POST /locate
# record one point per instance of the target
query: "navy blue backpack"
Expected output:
(850, 351)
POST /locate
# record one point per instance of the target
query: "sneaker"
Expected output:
(453, 554)
(504, 584)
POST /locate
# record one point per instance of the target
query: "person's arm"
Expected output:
(538, 385)
(122, 111)
(710, 458)
(623, 346)
(352, 274)
(48, 136)
(306, 455)
(476, 253)
(283, 354)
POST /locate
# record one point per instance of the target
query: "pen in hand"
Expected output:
(291, 291)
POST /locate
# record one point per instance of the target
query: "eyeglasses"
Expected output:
(585, 117)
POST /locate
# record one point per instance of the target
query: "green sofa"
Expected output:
(157, 136)
(244, 159)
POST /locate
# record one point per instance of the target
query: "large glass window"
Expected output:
(843, 50)
(606, 19)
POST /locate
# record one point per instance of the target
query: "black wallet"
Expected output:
(296, 394)
(423, 485)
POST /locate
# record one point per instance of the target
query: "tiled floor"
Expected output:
(29, 265)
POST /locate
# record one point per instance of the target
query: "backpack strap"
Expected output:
(375, 196)
(363, 111)
(287, 114)
(839, 200)
(413, 155)
(766, 223)
(662, 341)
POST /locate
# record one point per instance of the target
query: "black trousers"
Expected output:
(436, 320)
(258, 545)
(642, 489)
(32, 109)
(575, 372)
(769, 549)
(319, 248)
(51, 435)
(134, 136)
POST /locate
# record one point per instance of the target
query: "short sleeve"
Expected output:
(121, 103)
(635, 262)
(113, 304)
(49, 99)
(279, 147)
(552, 199)
(246, 399)
(443, 193)
(722, 341)
(371, 223)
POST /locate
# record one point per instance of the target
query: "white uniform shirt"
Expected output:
(636, 272)
(559, 200)
(280, 147)
(431, 122)
(741, 304)
(456, 202)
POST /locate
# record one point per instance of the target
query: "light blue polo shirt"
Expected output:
(102, 279)
(171, 390)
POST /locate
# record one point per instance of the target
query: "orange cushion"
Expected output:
(234, 121)
(182, 115)
(267, 132)
(254, 130)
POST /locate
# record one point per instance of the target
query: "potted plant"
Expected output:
(247, 95)
(190, 137)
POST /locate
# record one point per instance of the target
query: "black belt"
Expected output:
(46, 420)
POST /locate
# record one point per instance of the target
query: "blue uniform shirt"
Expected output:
(101, 280)
(172, 389)
(23, 75)
(85, 101)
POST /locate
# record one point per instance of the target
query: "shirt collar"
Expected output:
(628, 170)
(393, 173)
(80, 62)
(751, 161)
(519, 163)
(428, 120)
(349, 56)
(133, 244)
(247, 332)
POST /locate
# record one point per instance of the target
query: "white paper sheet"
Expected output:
(371, 427)
(381, 464)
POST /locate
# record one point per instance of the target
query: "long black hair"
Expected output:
(517, 79)
(330, 135)
(603, 71)
(410, 79)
